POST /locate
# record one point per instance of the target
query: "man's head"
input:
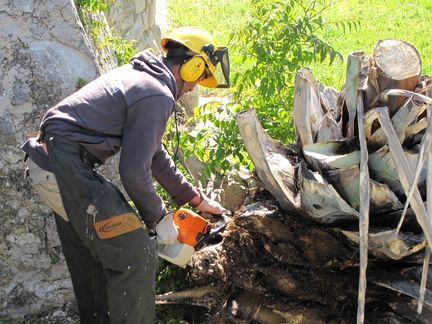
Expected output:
(194, 58)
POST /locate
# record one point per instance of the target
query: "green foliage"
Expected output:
(220, 18)
(123, 48)
(92, 5)
(9, 320)
(81, 82)
(174, 278)
(216, 140)
(169, 203)
(171, 277)
(54, 259)
(280, 38)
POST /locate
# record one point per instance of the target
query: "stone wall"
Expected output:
(135, 20)
(44, 52)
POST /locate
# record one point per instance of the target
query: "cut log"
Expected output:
(397, 66)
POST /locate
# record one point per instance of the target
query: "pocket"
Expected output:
(105, 148)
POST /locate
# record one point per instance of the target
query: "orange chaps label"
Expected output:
(117, 225)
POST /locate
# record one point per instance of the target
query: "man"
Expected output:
(109, 256)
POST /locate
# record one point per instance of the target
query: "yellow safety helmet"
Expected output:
(203, 49)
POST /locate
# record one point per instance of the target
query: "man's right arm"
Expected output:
(171, 179)
(145, 124)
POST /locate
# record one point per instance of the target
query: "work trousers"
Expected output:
(113, 278)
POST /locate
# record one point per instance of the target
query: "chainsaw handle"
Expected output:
(213, 232)
(225, 217)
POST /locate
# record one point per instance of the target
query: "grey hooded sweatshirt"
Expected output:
(126, 109)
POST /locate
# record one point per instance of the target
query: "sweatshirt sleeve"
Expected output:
(169, 177)
(145, 125)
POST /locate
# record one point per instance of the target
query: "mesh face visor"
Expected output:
(220, 55)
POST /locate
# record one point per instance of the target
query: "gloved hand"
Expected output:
(166, 230)
(210, 206)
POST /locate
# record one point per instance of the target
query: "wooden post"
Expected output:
(429, 211)
(355, 104)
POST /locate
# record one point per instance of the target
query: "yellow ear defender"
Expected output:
(203, 45)
(192, 69)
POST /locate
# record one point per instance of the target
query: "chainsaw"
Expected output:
(194, 232)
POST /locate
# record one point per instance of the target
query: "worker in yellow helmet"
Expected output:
(111, 259)
(200, 55)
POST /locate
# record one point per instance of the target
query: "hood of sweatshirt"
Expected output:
(150, 63)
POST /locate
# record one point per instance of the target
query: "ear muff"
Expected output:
(192, 69)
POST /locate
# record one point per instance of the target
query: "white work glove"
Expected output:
(210, 206)
(166, 230)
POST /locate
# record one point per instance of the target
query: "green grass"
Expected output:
(379, 19)
(406, 20)
(220, 18)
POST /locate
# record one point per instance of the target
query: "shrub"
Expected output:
(280, 38)
(216, 140)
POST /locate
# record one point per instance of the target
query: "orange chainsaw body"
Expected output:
(191, 226)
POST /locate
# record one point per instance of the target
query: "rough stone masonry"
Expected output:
(44, 51)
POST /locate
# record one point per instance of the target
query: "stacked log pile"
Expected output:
(347, 203)
(387, 89)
